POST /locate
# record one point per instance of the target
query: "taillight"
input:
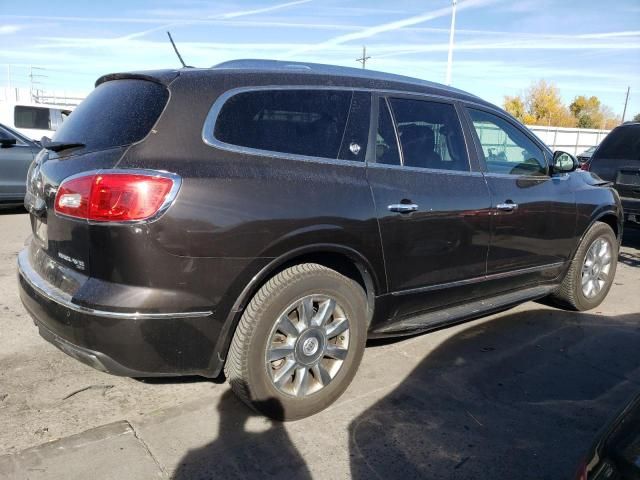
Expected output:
(114, 197)
(585, 166)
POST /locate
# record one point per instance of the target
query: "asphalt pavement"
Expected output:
(520, 394)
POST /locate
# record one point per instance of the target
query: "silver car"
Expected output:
(16, 154)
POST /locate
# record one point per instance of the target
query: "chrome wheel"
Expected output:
(596, 267)
(307, 345)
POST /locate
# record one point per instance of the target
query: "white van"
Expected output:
(35, 120)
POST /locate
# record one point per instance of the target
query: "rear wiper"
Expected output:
(58, 146)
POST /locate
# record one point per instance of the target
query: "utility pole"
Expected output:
(34, 81)
(451, 33)
(626, 100)
(364, 57)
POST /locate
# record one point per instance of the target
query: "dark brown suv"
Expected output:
(267, 218)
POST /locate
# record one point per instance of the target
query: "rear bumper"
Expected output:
(135, 344)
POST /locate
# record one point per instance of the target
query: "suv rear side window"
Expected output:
(430, 134)
(37, 118)
(623, 143)
(299, 122)
(506, 149)
(116, 113)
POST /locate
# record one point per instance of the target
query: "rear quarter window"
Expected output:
(299, 122)
(116, 113)
(623, 143)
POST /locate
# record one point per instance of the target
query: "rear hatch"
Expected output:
(120, 112)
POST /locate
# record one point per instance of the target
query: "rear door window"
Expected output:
(430, 134)
(36, 118)
(299, 122)
(116, 113)
(623, 143)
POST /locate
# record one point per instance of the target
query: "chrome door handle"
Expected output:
(403, 207)
(507, 207)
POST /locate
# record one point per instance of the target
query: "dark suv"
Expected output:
(267, 218)
(617, 160)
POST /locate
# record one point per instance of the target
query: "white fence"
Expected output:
(26, 95)
(572, 140)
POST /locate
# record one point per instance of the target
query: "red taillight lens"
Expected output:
(113, 197)
(585, 166)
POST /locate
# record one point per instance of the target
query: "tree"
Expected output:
(587, 112)
(637, 117)
(545, 106)
(515, 106)
(541, 104)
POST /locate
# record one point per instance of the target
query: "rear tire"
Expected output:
(592, 270)
(299, 342)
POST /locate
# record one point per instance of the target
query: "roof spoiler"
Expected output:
(163, 77)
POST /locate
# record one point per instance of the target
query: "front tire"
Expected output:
(299, 342)
(592, 270)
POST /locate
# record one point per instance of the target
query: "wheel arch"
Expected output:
(344, 260)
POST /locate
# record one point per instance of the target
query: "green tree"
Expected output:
(637, 117)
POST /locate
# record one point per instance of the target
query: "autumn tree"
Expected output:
(545, 105)
(587, 112)
(541, 104)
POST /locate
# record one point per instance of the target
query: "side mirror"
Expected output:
(7, 142)
(564, 162)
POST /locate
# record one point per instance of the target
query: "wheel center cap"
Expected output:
(310, 346)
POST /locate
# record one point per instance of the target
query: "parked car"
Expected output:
(615, 455)
(16, 154)
(266, 218)
(33, 120)
(617, 160)
(586, 155)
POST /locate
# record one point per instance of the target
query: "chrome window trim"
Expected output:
(43, 288)
(480, 279)
(402, 168)
(170, 200)
(209, 124)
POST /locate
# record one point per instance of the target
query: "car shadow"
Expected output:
(238, 452)
(630, 240)
(521, 396)
(12, 210)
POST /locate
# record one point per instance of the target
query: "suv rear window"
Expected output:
(116, 113)
(299, 122)
(623, 143)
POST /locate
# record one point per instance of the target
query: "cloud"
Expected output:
(222, 16)
(9, 29)
(243, 13)
(387, 27)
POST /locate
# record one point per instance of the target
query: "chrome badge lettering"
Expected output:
(79, 264)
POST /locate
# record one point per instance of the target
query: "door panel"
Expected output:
(14, 164)
(434, 223)
(534, 218)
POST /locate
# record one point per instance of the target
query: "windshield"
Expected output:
(116, 113)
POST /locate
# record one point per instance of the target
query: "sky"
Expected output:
(584, 47)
